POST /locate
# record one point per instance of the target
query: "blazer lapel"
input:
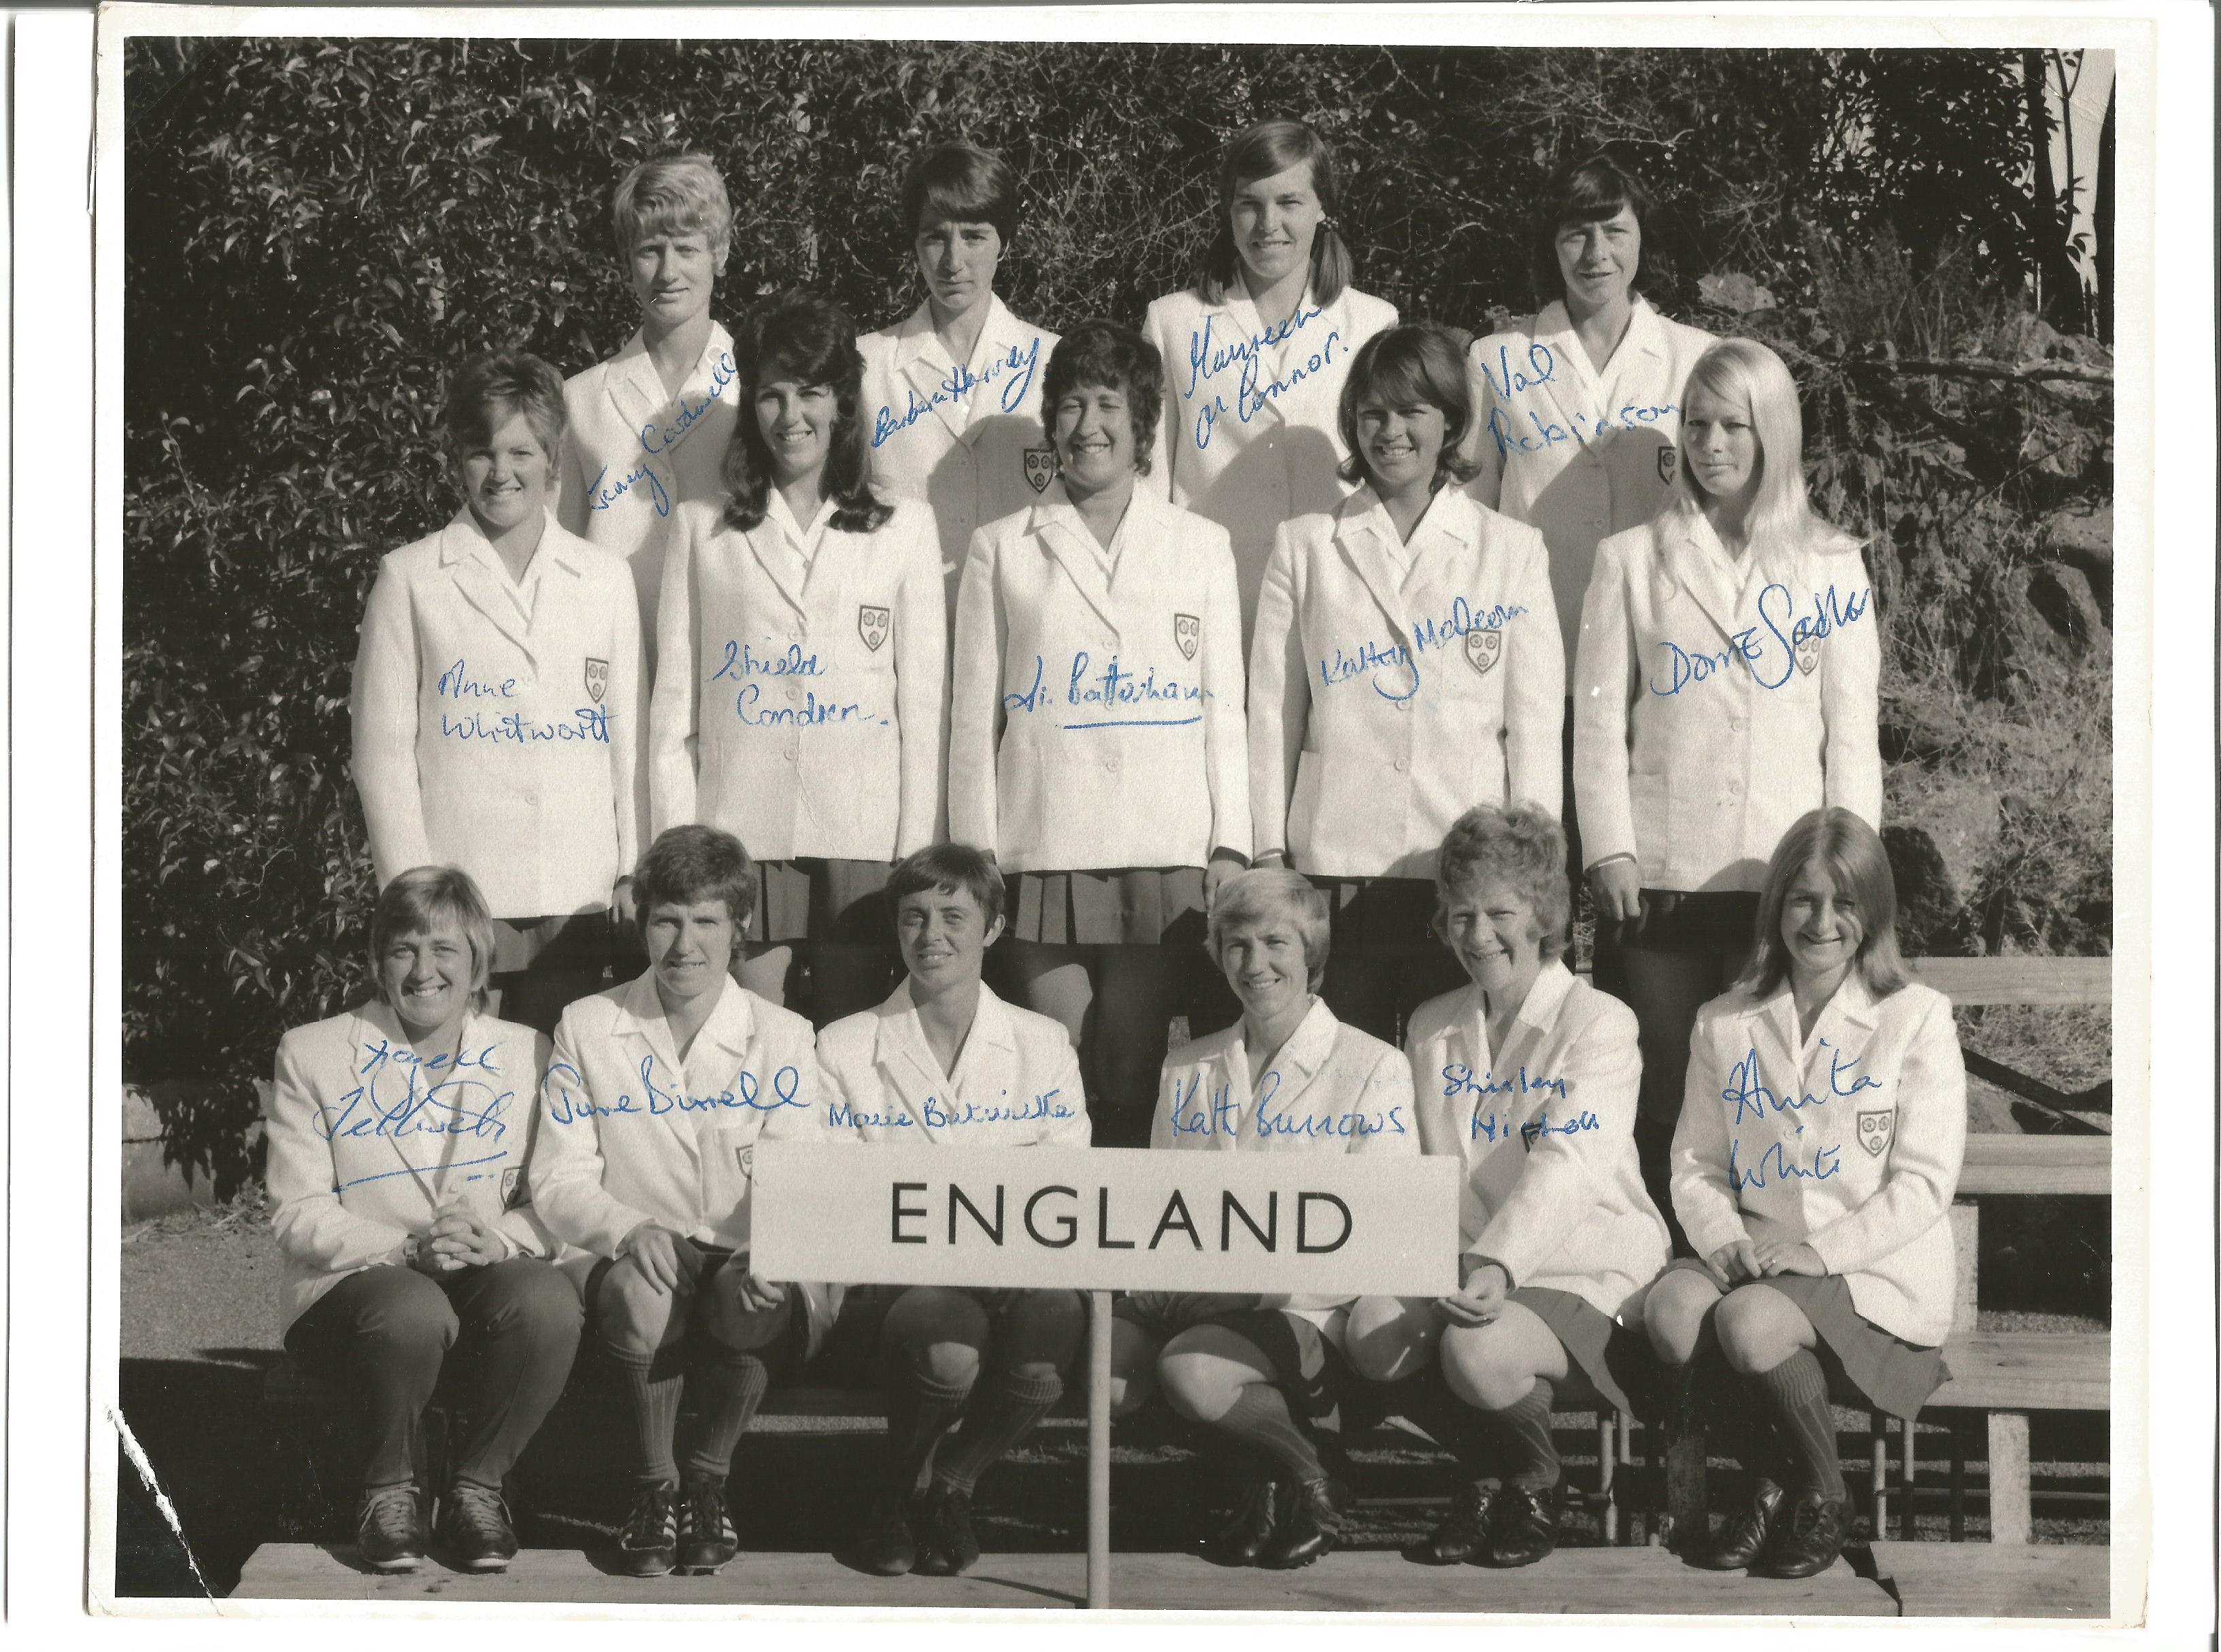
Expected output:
(1699, 567)
(1571, 383)
(901, 1053)
(1055, 523)
(635, 389)
(768, 544)
(1361, 531)
(645, 1037)
(1847, 1021)
(922, 362)
(987, 1068)
(1236, 324)
(467, 558)
(1640, 362)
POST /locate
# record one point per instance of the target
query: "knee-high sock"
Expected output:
(1795, 1393)
(653, 1385)
(1004, 1406)
(1452, 1425)
(919, 1411)
(728, 1387)
(1260, 1417)
(1522, 1431)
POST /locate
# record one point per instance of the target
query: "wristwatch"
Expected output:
(411, 1247)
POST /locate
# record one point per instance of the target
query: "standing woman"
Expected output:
(801, 698)
(1406, 666)
(1814, 1167)
(648, 427)
(1096, 743)
(1729, 682)
(1255, 352)
(498, 700)
(952, 396)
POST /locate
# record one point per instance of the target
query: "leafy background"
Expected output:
(318, 231)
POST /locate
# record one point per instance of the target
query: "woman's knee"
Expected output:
(637, 1318)
(1040, 1333)
(1203, 1370)
(1673, 1313)
(411, 1315)
(936, 1334)
(1759, 1328)
(731, 1325)
(1390, 1338)
(1483, 1365)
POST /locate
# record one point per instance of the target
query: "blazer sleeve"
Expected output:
(1604, 681)
(628, 722)
(675, 706)
(1481, 445)
(1280, 697)
(566, 1166)
(313, 1227)
(921, 687)
(1225, 717)
(1564, 1174)
(975, 701)
(1535, 693)
(1850, 704)
(1924, 1156)
(522, 1226)
(384, 714)
(1710, 1211)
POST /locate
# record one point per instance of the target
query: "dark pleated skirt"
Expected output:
(819, 899)
(1381, 914)
(1706, 921)
(1594, 1343)
(1141, 906)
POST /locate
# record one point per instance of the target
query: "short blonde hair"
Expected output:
(684, 193)
(420, 899)
(1266, 891)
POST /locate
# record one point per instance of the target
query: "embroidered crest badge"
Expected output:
(1875, 1131)
(748, 1159)
(1187, 632)
(514, 1193)
(873, 624)
(1483, 649)
(1040, 468)
(598, 679)
(1808, 655)
(1667, 457)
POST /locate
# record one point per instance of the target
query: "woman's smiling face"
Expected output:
(1275, 221)
(1492, 929)
(1264, 961)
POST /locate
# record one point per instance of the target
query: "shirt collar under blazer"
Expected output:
(922, 362)
(816, 585)
(1053, 521)
(1452, 527)
(635, 389)
(720, 1046)
(1538, 1012)
(988, 1065)
(1586, 397)
(469, 558)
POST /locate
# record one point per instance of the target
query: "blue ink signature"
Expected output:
(662, 438)
(841, 1117)
(810, 714)
(1318, 1126)
(1491, 1127)
(1426, 635)
(1831, 610)
(1458, 1079)
(427, 1106)
(1113, 687)
(457, 683)
(604, 497)
(1044, 1106)
(1775, 1161)
(741, 661)
(961, 383)
(593, 724)
(1250, 392)
(1752, 1097)
(416, 1170)
(566, 1108)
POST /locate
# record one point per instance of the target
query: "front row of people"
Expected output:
(434, 1170)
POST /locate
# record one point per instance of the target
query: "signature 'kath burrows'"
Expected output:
(1251, 390)
(564, 1094)
(1402, 661)
(1218, 1114)
(1015, 369)
(1831, 610)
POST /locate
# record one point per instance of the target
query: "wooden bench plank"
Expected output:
(2028, 1371)
(1975, 1580)
(1606, 1580)
(1971, 981)
(1997, 1163)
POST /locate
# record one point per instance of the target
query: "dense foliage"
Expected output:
(317, 231)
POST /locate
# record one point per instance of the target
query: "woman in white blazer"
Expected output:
(1406, 666)
(1255, 352)
(1729, 681)
(398, 1138)
(1096, 739)
(656, 1095)
(944, 1061)
(498, 700)
(1814, 1167)
(801, 702)
(648, 427)
(1286, 1078)
(952, 394)
(1528, 1077)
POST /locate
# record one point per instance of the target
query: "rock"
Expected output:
(2062, 595)
(1735, 292)
(1927, 900)
(2082, 535)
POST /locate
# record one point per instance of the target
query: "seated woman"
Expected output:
(1286, 1078)
(1821, 1135)
(1530, 1077)
(655, 1097)
(405, 1224)
(946, 1061)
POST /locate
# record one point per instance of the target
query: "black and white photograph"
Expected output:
(1508, 641)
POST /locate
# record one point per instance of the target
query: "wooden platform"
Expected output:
(1574, 1581)
(2028, 1371)
(2037, 1166)
(1983, 1581)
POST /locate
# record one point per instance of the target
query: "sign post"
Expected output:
(1104, 1219)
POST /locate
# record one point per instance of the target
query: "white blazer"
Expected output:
(633, 455)
(1249, 434)
(1545, 1127)
(1580, 453)
(509, 748)
(1016, 1082)
(1715, 704)
(1393, 686)
(630, 1133)
(1098, 724)
(801, 708)
(365, 1143)
(968, 442)
(1851, 1142)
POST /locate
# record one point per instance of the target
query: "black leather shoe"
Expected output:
(1523, 1526)
(706, 1538)
(648, 1546)
(1808, 1541)
(474, 1526)
(1464, 1534)
(947, 1546)
(389, 1528)
(1307, 1529)
(1249, 1533)
(885, 1546)
(1744, 1539)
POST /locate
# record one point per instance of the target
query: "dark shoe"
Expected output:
(1308, 1528)
(1807, 1543)
(706, 1537)
(474, 1528)
(389, 1533)
(1463, 1535)
(1745, 1537)
(947, 1547)
(885, 1546)
(649, 1547)
(1523, 1526)
(1249, 1533)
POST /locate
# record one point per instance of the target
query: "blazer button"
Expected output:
(1735, 724)
(1734, 788)
(1402, 764)
(788, 754)
(1111, 763)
